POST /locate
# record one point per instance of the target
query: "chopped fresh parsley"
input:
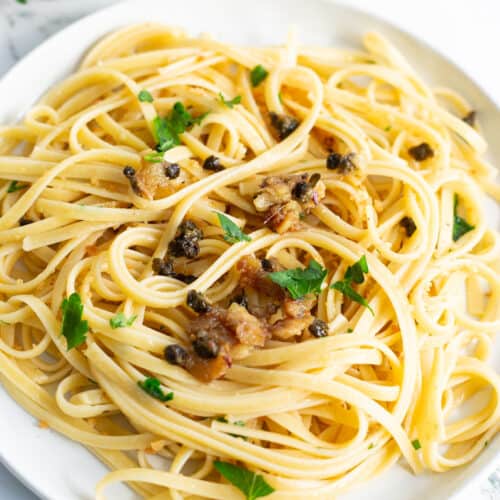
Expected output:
(252, 485)
(370, 446)
(230, 103)
(145, 96)
(350, 330)
(15, 186)
(166, 130)
(300, 282)
(416, 444)
(154, 157)
(460, 225)
(24, 2)
(354, 273)
(239, 423)
(258, 75)
(73, 328)
(151, 385)
(388, 128)
(120, 320)
(280, 97)
(232, 233)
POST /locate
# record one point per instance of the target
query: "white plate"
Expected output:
(58, 469)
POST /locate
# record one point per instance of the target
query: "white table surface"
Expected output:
(467, 31)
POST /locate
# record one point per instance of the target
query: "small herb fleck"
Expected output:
(120, 320)
(460, 225)
(152, 386)
(145, 96)
(416, 444)
(231, 102)
(15, 186)
(232, 233)
(258, 75)
(166, 130)
(354, 273)
(154, 157)
(252, 485)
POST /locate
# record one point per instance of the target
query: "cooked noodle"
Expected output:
(314, 415)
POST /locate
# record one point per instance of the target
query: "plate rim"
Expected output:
(482, 470)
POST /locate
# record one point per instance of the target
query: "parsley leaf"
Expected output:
(73, 328)
(460, 225)
(154, 157)
(416, 444)
(166, 130)
(354, 273)
(15, 186)
(230, 103)
(120, 320)
(151, 385)
(252, 485)
(232, 233)
(145, 96)
(258, 75)
(24, 2)
(300, 282)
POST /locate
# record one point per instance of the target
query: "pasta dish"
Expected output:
(246, 272)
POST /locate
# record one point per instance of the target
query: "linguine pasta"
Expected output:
(338, 163)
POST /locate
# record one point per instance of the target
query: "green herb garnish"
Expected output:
(416, 444)
(154, 157)
(354, 273)
(15, 186)
(166, 130)
(460, 225)
(239, 423)
(280, 97)
(258, 75)
(350, 330)
(230, 103)
(252, 485)
(120, 320)
(388, 128)
(24, 2)
(370, 446)
(300, 282)
(357, 270)
(151, 385)
(232, 233)
(73, 328)
(145, 96)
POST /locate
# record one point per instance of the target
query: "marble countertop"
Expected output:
(459, 28)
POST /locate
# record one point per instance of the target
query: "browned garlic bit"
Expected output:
(285, 199)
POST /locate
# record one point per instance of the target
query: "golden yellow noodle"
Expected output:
(320, 414)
